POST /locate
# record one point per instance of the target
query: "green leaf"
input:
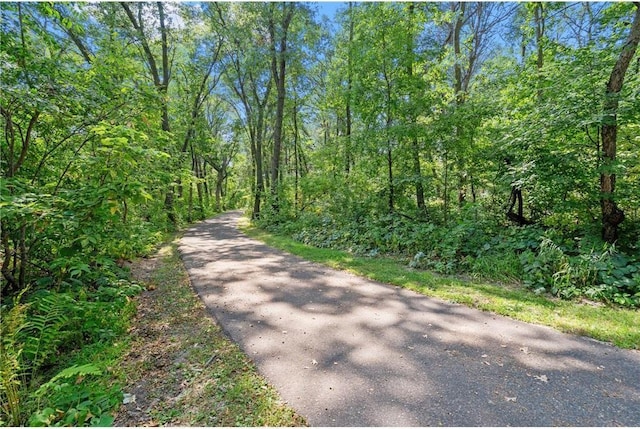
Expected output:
(42, 418)
(105, 420)
(73, 371)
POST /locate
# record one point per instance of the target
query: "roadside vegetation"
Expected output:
(180, 368)
(60, 353)
(142, 351)
(496, 291)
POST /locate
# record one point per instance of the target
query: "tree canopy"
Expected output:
(121, 120)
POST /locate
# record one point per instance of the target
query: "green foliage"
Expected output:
(616, 325)
(102, 153)
(45, 329)
(481, 248)
(53, 324)
(73, 401)
(605, 275)
(12, 376)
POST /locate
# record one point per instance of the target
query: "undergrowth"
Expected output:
(183, 369)
(48, 376)
(566, 265)
(605, 323)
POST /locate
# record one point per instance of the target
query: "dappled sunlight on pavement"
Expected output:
(346, 351)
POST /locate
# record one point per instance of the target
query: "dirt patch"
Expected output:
(148, 359)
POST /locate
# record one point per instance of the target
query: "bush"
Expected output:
(73, 401)
(605, 275)
(545, 260)
(47, 326)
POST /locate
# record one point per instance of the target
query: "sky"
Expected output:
(329, 8)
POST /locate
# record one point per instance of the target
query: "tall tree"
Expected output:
(612, 215)
(161, 75)
(278, 25)
(415, 145)
(348, 115)
(250, 80)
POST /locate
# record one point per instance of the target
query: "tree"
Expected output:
(161, 75)
(197, 78)
(69, 126)
(278, 25)
(249, 77)
(379, 67)
(612, 215)
(415, 145)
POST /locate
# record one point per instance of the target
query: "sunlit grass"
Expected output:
(618, 326)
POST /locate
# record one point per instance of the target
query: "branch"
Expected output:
(74, 37)
(145, 46)
(25, 142)
(165, 53)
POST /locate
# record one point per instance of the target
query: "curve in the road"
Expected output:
(346, 351)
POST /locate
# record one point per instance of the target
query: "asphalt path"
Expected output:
(347, 351)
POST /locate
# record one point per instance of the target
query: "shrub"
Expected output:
(72, 401)
(545, 260)
(48, 325)
(605, 275)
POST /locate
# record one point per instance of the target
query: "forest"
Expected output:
(495, 140)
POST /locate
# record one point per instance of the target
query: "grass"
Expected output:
(615, 325)
(181, 367)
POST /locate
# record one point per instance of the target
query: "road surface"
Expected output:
(347, 351)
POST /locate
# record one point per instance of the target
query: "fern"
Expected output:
(44, 330)
(73, 371)
(12, 376)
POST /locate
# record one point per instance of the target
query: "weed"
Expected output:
(12, 377)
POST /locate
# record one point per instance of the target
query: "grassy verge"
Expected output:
(618, 326)
(181, 370)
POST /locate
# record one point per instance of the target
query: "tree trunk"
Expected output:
(259, 174)
(197, 170)
(296, 164)
(457, 69)
(445, 187)
(165, 69)
(219, 182)
(190, 204)
(11, 282)
(347, 149)
(459, 97)
(540, 27)
(415, 146)
(390, 174)
(278, 65)
(612, 216)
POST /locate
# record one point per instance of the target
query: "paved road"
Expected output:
(345, 351)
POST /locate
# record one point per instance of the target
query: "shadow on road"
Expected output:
(346, 351)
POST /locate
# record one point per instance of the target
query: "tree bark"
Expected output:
(166, 75)
(612, 215)
(278, 65)
(457, 68)
(415, 146)
(347, 149)
(259, 172)
(459, 96)
(539, 18)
